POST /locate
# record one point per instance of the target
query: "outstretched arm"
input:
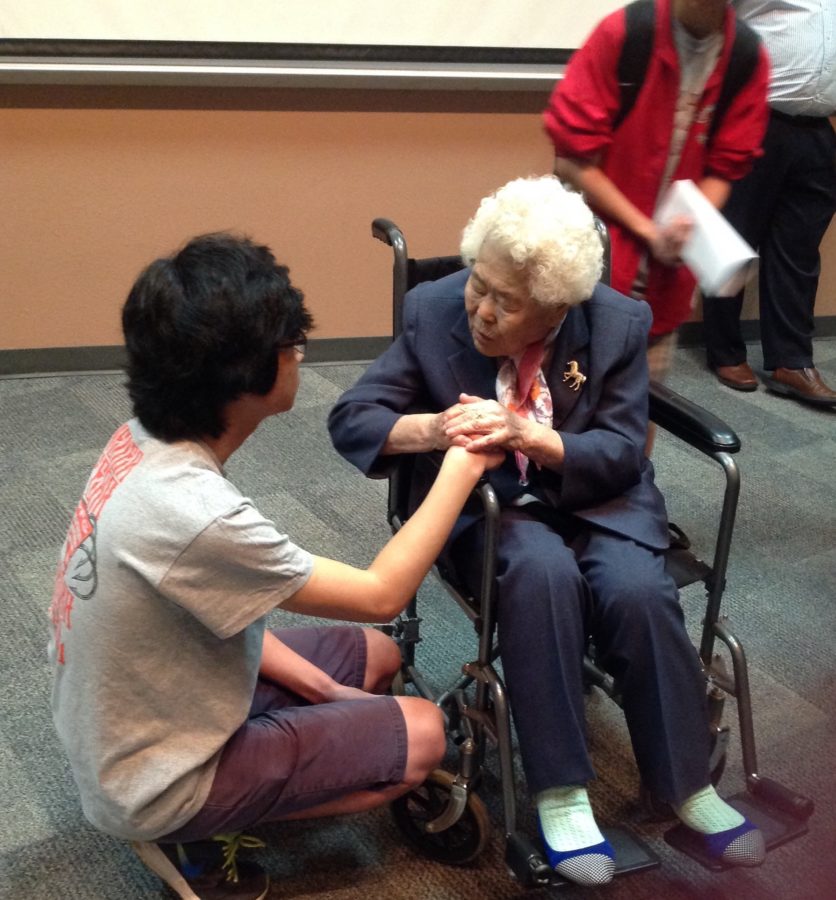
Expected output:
(377, 594)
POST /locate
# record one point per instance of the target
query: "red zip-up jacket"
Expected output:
(579, 121)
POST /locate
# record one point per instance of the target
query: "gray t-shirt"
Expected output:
(158, 620)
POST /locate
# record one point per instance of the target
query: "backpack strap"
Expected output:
(640, 27)
(742, 63)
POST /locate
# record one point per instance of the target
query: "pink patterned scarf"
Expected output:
(521, 387)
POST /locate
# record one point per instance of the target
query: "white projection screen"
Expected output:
(482, 32)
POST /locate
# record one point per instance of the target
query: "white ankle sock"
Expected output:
(727, 835)
(705, 811)
(566, 818)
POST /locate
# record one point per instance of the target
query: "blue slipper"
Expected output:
(740, 846)
(587, 865)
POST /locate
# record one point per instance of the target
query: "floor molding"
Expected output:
(692, 334)
(61, 360)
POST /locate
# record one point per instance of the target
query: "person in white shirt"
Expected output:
(784, 206)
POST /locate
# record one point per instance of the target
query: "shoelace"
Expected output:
(233, 841)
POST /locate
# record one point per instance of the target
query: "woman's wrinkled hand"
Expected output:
(479, 425)
(438, 438)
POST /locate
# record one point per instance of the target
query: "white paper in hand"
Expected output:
(715, 253)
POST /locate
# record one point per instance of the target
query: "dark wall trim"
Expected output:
(333, 350)
(53, 360)
(183, 51)
(692, 334)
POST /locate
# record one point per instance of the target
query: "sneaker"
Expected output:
(207, 870)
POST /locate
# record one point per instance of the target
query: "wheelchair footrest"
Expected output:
(778, 828)
(632, 854)
(529, 867)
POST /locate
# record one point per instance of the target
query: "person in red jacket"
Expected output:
(624, 168)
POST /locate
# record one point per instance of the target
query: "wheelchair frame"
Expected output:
(780, 813)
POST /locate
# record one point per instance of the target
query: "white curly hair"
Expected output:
(547, 231)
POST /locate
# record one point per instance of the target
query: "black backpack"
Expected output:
(638, 45)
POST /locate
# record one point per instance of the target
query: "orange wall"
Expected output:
(97, 181)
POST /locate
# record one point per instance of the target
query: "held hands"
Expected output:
(473, 461)
(484, 425)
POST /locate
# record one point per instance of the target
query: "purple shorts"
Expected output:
(290, 755)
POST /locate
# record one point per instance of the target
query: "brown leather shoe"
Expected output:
(740, 377)
(802, 384)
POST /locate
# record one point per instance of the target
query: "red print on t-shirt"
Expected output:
(76, 575)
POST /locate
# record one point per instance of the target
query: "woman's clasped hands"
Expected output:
(479, 424)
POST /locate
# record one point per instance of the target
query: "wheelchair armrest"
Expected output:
(691, 422)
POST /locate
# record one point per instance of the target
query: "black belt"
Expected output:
(804, 121)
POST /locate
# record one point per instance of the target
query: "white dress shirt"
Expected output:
(800, 37)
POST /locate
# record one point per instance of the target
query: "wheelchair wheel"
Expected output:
(457, 845)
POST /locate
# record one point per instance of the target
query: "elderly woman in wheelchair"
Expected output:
(525, 350)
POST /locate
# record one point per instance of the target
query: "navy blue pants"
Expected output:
(782, 208)
(560, 582)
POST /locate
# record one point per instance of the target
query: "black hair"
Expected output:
(204, 326)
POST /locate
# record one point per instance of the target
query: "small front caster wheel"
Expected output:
(457, 845)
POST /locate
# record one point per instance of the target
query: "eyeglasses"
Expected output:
(298, 346)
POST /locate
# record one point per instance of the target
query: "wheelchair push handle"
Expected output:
(387, 231)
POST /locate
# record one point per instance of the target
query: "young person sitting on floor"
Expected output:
(184, 717)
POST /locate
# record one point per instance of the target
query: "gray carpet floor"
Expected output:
(781, 600)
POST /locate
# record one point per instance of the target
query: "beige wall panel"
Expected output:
(826, 300)
(96, 182)
(92, 194)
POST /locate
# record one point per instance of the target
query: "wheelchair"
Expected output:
(445, 819)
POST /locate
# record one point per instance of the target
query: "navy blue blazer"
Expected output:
(605, 479)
